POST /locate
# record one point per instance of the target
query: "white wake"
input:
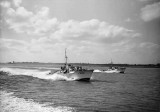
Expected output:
(11, 103)
(34, 73)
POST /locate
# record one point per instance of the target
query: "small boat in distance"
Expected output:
(76, 73)
(112, 69)
(115, 70)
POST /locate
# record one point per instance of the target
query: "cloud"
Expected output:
(34, 45)
(23, 21)
(13, 45)
(17, 2)
(148, 1)
(41, 24)
(150, 12)
(5, 4)
(92, 30)
(144, 0)
(21, 11)
(149, 45)
(43, 13)
(83, 38)
(128, 20)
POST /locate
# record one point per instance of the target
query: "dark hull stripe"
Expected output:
(84, 79)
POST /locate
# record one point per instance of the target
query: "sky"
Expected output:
(93, 31)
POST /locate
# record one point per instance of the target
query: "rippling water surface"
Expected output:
(28, 88)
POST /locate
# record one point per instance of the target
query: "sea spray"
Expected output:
(11, 103)
(97, 70)
(34, 73)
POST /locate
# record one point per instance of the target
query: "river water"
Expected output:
(28, 88)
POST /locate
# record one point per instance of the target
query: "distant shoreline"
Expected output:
(95, 65)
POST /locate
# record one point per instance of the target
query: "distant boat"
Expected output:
(112, 69)
(74, 73)
(115, 70)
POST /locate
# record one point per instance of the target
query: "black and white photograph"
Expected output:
(79, 56)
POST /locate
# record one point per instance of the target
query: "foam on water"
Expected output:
(11, 103)
(34, 73)
(25, 67)
(97, 70)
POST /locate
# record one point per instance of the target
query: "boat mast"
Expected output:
(66, 55)
(111, 61)
(111, 64)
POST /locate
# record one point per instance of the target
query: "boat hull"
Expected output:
(84, 79)
(121, 70)
(112, 71)
(78, 75)
(118, 70)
